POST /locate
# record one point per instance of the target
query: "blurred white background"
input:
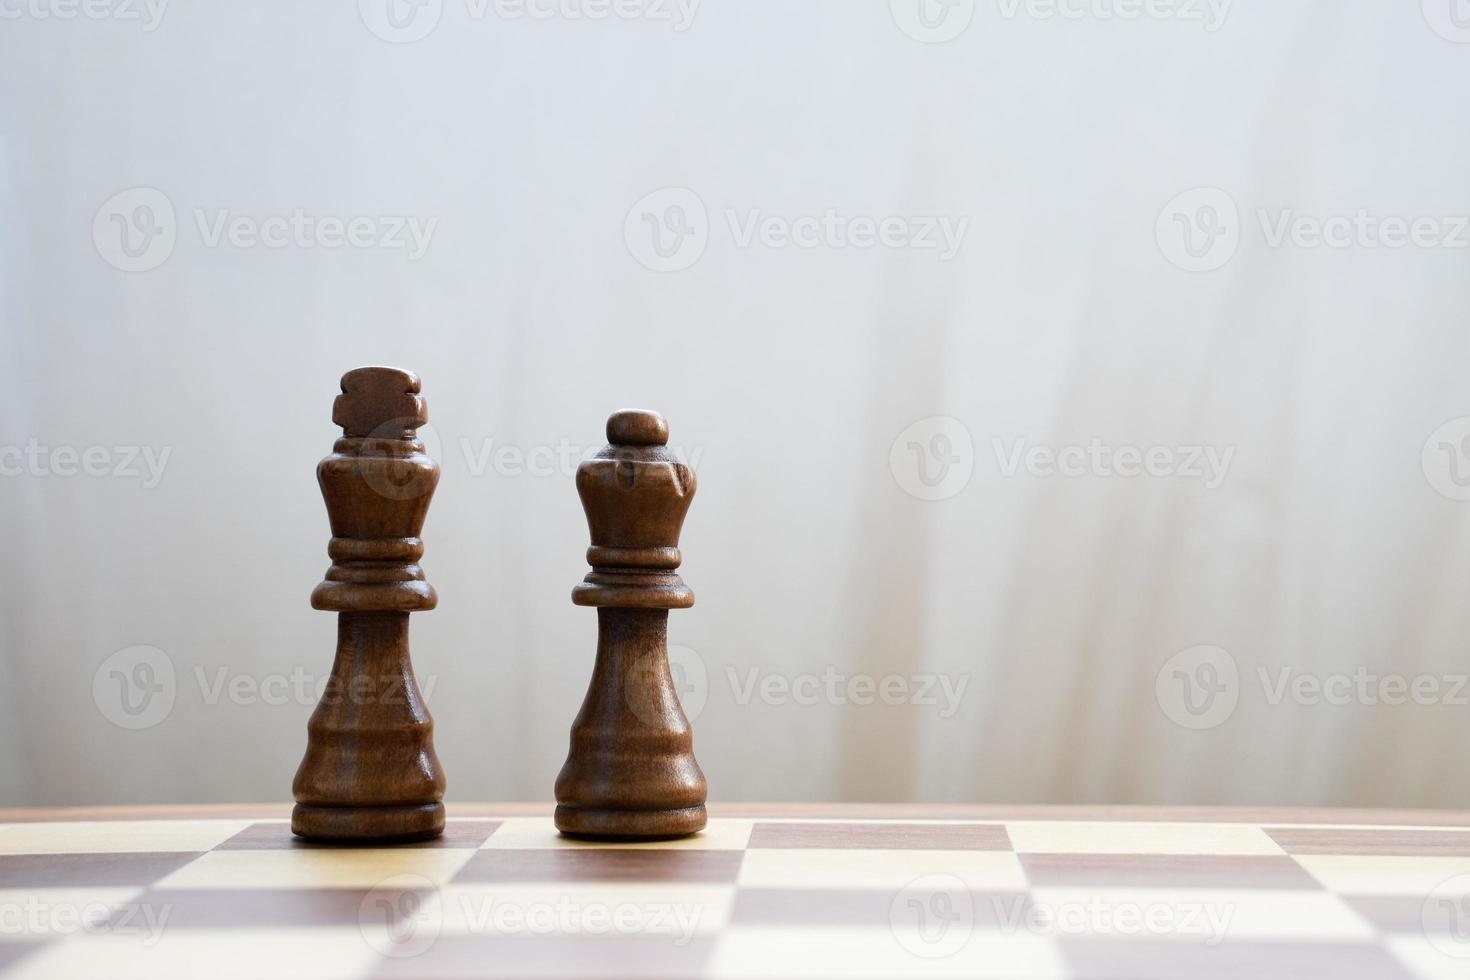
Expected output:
(1068, 380)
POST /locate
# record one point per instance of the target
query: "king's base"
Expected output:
(593, 823)
(361, 824)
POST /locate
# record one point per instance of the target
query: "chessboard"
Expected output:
(783, 891)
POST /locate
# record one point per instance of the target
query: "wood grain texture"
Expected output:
(370, 771)
(630, 772)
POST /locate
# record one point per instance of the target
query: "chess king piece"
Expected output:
(370, 772)
(630, 773)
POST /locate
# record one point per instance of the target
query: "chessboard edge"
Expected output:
(1264, 815)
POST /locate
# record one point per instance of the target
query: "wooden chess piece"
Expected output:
(630, 773)
(370, 772)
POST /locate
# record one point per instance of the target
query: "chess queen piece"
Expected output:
(630, 773)
(370, 772)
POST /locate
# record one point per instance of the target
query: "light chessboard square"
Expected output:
(455, 957)
(117, 836)
(750, 951)
(313, 868)
(1358, 874)
(1115, 959)
(1209, 917)
(235, 954)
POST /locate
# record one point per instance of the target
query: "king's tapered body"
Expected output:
(370, 772)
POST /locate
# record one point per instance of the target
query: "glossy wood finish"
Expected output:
(370, 772)
(630, 773)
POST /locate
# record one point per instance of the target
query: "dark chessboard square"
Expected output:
(866, 908)
(12, 953)
(1120, 959)
(453, 957)
(88, 870)
(1167, 871)
(277, 836)
(599, 864)
(255, 908)
(1384, 841)
(897, 836)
